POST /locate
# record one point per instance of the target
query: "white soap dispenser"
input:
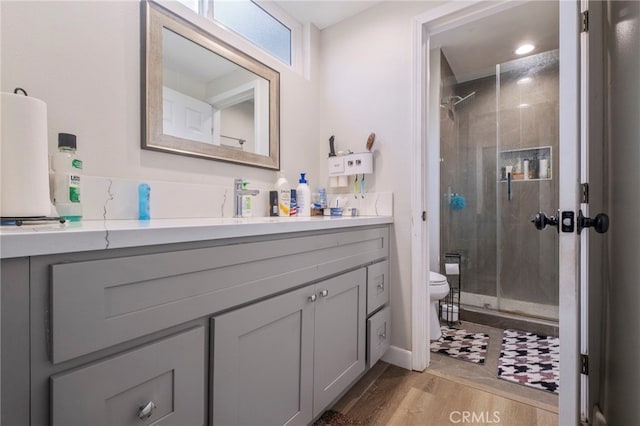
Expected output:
(303, 197)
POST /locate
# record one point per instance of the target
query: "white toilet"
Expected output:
(438, 288)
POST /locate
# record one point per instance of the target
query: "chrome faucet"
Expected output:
(238, 193)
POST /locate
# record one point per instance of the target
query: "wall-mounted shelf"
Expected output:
(536, 161)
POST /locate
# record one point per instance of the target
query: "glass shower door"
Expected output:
(527, 135)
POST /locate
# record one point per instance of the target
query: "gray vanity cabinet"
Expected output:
(263, 330)
(285, 359)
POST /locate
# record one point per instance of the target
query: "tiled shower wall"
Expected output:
(504, 256)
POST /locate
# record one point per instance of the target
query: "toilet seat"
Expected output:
(436, 279)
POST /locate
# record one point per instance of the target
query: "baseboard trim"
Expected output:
(399, 357)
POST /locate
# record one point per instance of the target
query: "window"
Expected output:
(253, 22)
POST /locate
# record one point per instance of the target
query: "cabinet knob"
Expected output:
(324, 293)
(146, 411)
(312, 298)
(382, 331)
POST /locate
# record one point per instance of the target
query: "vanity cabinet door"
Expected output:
(340, 316)
(263, 362)
(162, 383)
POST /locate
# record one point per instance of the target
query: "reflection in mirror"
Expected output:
(204, 98)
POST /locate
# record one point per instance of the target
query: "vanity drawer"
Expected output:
(102, 302)
(168, 374)
(378, 335)
(377, 285)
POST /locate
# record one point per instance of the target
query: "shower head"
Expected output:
(463, 101)
(452, 103)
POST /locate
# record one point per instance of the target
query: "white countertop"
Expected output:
(51, 238)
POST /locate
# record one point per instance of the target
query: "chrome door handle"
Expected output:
(146, 411)
(312, 298)
(324, 293)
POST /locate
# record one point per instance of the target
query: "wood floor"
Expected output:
(389, 395)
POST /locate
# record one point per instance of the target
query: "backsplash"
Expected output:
(110, 198)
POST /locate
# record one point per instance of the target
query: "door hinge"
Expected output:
(424, 216)
(585, 21)
(584, 364)
(584, 188)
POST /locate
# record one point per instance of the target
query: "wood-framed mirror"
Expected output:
(202, 97)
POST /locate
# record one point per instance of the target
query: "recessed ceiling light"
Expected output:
(524, 106)
(524, 80)
(524, 49)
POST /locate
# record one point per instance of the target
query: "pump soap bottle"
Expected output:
(284, 195)
(304, 197)
(67, 168)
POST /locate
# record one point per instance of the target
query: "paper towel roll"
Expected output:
(24, 180)
(452, 269)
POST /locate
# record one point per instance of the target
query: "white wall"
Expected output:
(366, 65)
(83, 59)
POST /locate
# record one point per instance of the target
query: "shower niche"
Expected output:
(526, 164)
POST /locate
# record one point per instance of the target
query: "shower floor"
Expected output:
(486, 374)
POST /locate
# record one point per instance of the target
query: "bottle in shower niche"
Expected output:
(67, 169)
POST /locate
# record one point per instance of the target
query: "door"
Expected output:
(582, 185)
(568, 176)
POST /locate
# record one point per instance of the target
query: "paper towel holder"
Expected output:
(19, 221)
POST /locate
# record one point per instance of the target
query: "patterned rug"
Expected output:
(530, 359)
(461, 344)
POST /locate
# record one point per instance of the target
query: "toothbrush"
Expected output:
(355, 187)
(362, 191)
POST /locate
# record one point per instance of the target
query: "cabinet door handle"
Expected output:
(312, 298)
(324, 293)
(146, 411)
(380, 285)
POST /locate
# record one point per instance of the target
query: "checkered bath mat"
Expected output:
(461, 344)
(530, 359)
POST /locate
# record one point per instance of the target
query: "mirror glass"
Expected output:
(205, 98)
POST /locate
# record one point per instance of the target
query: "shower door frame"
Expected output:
(451, 15)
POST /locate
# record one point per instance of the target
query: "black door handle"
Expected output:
(600, 223)
(541, 221)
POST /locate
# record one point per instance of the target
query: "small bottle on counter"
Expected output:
(144, 201)
(273, 203)
(304, 197)
(246, 202)
(293, 207)
(67, 168)
(284, 195)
